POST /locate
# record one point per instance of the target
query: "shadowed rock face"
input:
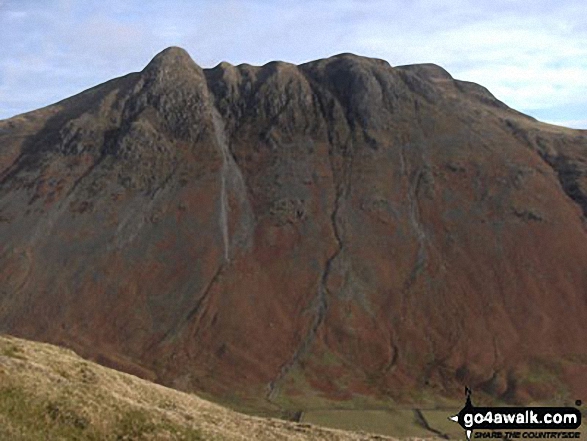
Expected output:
(342, 227)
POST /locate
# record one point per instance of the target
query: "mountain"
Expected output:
(288, 236)
(50, 393)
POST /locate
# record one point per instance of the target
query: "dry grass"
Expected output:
(48, 392)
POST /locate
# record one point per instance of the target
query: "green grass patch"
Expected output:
(33, 419)
(438, 420)
(136, 424)
(12, 351)
(397, 423)
(26, 418)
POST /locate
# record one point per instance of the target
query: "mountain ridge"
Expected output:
(283, 231)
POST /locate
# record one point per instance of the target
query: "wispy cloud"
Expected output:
(532, 55)
(530, 61)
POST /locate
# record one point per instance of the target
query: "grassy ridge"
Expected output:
(49, 393)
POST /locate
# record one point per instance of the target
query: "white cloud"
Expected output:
(15, 15)
(527, 62)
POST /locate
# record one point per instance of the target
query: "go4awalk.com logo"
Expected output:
(519, 422)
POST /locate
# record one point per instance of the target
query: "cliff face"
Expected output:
(340, 227)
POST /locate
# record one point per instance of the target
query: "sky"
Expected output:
(530, 54)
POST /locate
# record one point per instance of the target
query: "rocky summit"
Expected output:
(328, 231)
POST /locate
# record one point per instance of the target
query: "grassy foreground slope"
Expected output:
(50, 393)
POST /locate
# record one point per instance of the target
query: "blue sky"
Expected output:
(531, 54)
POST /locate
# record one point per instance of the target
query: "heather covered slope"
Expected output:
(330, 231)
(50, 393)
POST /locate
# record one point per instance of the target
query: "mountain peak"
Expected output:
(428, 70)
(172, 57)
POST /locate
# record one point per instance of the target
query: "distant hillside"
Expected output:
(49, 393)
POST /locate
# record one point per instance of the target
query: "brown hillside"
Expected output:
(328, 231)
